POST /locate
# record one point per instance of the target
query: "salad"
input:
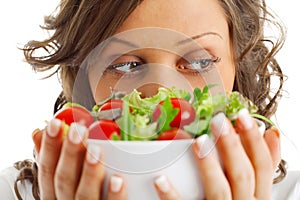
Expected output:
(170, 114)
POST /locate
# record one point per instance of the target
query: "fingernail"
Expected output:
(35, 132)
(275, 131)
(163, 184)
(205, 145)
(53, 127)
(220, 125)
(245, 119)
(261, 126)
(116, 183)
(77, 133)
(93, 153)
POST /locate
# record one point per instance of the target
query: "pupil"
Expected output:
(204, 63)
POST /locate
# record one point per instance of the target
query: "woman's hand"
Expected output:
(244, 166)
(69, 168)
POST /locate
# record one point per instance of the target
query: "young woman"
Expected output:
(97, 45)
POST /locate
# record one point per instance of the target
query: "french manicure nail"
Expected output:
(205, 146)
(116, 183)
(93, 153)
(77, 133)
(245, 119)
(220, 125)
(53, 127)
(162, 183)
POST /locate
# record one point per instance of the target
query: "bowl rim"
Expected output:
(260, 123)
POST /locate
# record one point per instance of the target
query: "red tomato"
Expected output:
(75, 114)
(112, 104)
(174, 134)
(185, 115)
(103, 130)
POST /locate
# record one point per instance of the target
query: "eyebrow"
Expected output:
(199, 36)
(128, 43)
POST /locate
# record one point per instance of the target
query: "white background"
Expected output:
(26, 101)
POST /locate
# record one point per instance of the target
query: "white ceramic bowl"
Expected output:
(140, 162)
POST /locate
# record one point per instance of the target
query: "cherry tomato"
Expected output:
(75, 114)
(185, 115)
(103, 130)
(112, 104)
(174, 134)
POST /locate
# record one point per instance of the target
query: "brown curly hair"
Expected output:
(76, 22)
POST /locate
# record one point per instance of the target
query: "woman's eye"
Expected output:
(125, 67)
(199, 65)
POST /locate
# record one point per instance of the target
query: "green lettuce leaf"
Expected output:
(167, 114)
(135, 126)
(126, 123)
(144, 106)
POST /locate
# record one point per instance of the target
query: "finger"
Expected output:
(272, 138)
(92, 174)
(165, 189)
(237, 166)
(258, 153)
(48, 158)
(214, 181)
(116, 188)
(70, 163)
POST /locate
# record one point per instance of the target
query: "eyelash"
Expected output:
(208, 62)
(128, 71)
(114, 68)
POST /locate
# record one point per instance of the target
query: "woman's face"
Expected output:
(166, 43)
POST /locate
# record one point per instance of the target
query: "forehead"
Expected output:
(190, 17)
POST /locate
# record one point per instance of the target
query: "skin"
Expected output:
(214, 42)
(249, 162)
